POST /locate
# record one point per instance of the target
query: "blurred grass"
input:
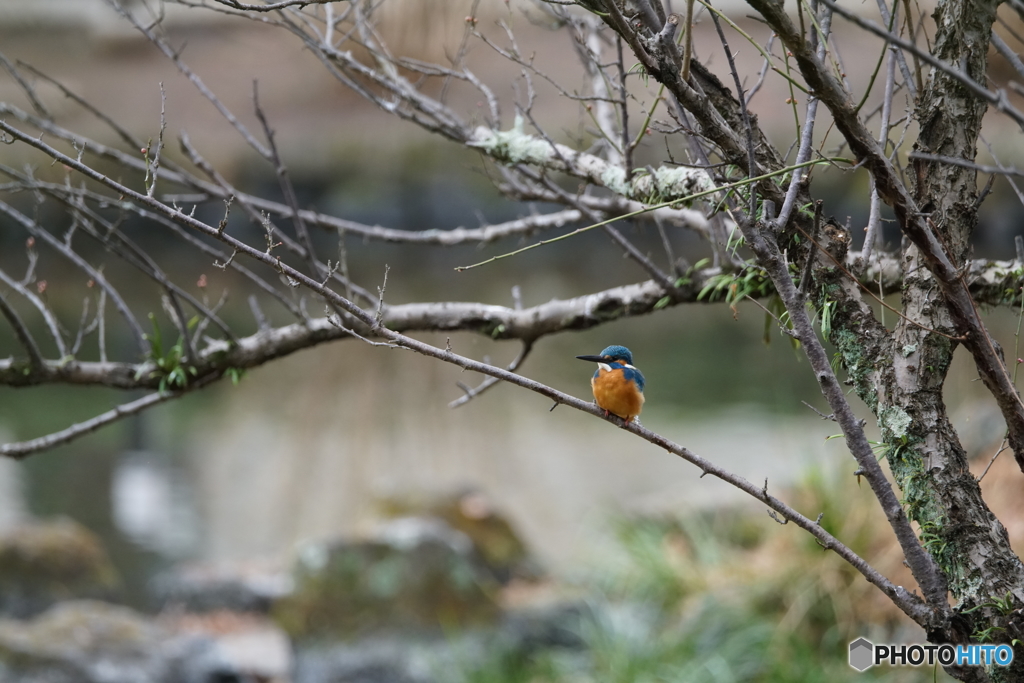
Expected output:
(730, 597)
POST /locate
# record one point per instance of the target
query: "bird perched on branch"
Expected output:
(618, 386)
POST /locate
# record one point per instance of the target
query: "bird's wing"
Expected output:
(636, 376)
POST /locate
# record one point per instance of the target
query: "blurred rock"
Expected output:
(417, 575)
(386, 659)
(42, 563)
(492, 535)
(371, 660)
(542, 627)
(87, 641)
(250, 645)
(207, 587)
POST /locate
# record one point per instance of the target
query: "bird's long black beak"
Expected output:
(593, 359)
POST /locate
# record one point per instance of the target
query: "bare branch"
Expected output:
(22, 449)
(175, 58)
(26, 87)
(964, 163)
(287, 188)
(272, 6)
(875, 213)
(806, 134)
(41, 306)
(35, 358)
(998, 99)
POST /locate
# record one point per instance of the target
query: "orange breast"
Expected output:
(619, 396)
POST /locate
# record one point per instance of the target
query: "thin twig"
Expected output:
(1002, 447)
(997, 99)
(688, 41)
(273, 6)
(908, 79)
(965, 163)
(806, 134)
(175, 58)
(51, 320)
(471, 393)
(26, 87)
(35, 358)
(153, 168)
(752, 168)
(875, 213)
(647, 209)
(287, 189)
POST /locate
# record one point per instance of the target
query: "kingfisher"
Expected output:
(618, 386)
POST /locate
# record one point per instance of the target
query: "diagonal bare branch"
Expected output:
(35, 358)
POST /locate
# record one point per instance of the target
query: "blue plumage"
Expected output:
(620, 353)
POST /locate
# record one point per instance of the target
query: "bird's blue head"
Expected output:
(612, 354)
(619, 353)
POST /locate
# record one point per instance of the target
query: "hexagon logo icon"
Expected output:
(862, 654)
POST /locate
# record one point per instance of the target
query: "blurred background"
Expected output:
(333, 442)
